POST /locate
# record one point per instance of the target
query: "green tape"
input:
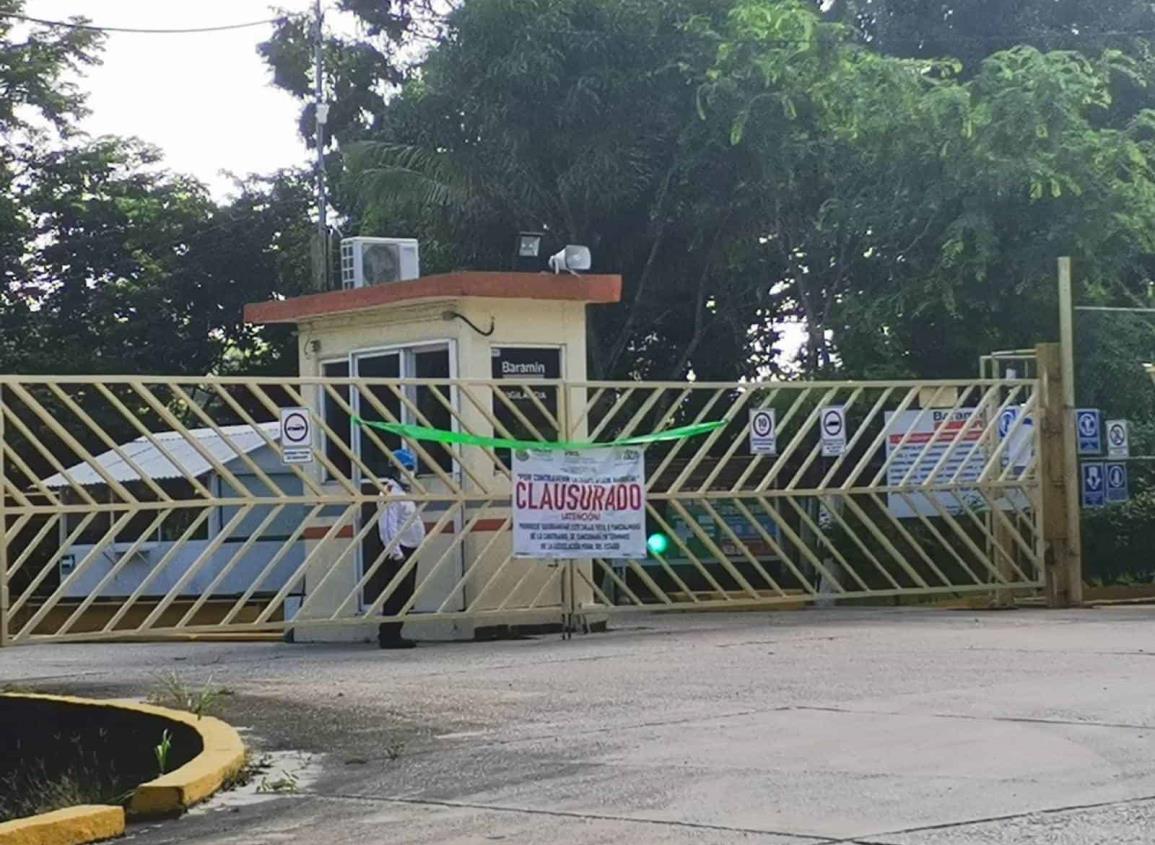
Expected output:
(437, 435)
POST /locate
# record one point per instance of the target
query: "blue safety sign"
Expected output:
(1094, 485)
(1007, 421)
(1089, 431)
(1118, 490)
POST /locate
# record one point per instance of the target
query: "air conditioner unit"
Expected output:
(378, 261)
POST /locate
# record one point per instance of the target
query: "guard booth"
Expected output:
(464, 352)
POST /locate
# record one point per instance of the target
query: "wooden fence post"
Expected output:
(1058, 477)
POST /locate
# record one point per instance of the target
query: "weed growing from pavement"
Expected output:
(284, 783)
(16, 689)
(251, 768)
(170, 690)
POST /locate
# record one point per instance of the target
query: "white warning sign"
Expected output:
(832, 423)
(588, 503)
(916, 441)
(763, 432)
(296, 436)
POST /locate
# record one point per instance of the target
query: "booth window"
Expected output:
(378, 403)
(411, 404)
(337, 418)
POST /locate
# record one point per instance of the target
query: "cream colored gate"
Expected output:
(140, 506)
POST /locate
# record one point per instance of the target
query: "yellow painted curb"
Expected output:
(222, 757)
(72, 826)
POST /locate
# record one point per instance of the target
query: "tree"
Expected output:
(138, 270)
(971, 30)
(908, 210)
(110, 264)
(932, 207)
(579, 119)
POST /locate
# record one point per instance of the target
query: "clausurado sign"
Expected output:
(588, 503)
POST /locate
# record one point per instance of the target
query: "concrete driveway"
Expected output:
(895, 727)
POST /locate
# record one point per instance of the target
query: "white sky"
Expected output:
(205, 99)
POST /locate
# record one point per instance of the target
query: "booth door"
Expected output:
(440, 563)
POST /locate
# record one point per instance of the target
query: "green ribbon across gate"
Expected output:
(437, 435)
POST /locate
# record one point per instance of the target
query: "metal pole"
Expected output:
(568, 581)
(321, 115)
(1073, 575)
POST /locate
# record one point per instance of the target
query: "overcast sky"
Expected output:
(205, 99)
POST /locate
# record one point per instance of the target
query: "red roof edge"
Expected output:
(601, 289)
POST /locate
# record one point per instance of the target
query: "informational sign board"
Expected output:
(1089, 431)
(763, 432)
(832, 424)
(527, 363)
(581, 504)
(1094, 484)
(1021, 448)
(296, 436)
(1118, 439)
(915, 443)
(735, 528)
(1118, 489)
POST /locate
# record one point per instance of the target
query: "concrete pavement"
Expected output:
(890, 727)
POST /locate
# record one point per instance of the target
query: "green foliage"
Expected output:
(161, 750)
(109, 263)
(747, 163)
(171, 690)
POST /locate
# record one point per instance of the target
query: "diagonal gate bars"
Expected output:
(142, 506)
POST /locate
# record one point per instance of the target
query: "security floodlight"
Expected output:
(527, 251)
(573, 259)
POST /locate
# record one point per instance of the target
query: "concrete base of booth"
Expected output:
(488, 629)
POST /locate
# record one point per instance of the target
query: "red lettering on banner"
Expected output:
(577, 497)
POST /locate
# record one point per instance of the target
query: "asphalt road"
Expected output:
(891, 727)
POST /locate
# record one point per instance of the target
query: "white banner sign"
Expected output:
(589, 503)
(915, 443)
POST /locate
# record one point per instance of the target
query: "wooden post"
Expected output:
(1058, 476)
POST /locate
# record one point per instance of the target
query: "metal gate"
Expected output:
(142, 506)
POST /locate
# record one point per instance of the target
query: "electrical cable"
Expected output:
(138, 30)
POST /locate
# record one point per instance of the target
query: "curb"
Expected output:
(222, 757)
(71, 826)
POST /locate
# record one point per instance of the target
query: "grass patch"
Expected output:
(172, 691)
(34, 791)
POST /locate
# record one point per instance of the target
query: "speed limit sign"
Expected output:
(763, 432)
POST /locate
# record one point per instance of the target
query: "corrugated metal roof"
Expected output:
(242, 439)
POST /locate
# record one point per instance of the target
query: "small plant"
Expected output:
(161, 752)
(171, 691)
(284, 783)
(15, 689)
(251, 768)
(394, 749)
